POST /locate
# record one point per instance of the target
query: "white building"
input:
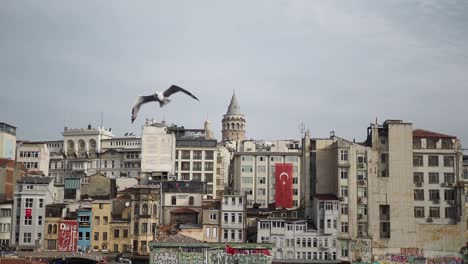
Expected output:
(6, 209)
(35, 156)
(30, 198)
(121, 157)
(254, 170)
(295, 239)
(233, 221)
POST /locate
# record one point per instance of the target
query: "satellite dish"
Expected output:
(150, 178)
(127, 204)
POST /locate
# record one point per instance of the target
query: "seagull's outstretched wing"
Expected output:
(174, 89)
(141, 100)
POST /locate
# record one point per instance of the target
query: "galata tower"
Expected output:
(233, 124)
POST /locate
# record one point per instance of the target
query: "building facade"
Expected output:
(233, 222)
(35, 157)
(6, 212)
(84, 217)
(101, 228)
(30, 198)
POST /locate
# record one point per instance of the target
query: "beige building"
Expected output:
(101, 228)
(397, 190)
(233, 123)
(35, 157)
(211, 220)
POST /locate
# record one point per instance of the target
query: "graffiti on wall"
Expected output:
(415, 252)
(445, 260)
(164, 258)
(68, 236)
(362, 248)
(243, 256)
(191, 256)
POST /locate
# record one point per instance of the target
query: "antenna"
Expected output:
(301, 128)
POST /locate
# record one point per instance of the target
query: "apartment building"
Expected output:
(54, 214)
(182, 202)
(296, 240)
(211, 220)
(254, 171)
(30, 198)
(101, 228)
(85, 226)
(121, 157)
(10, 172)
(6, 212)
(415, 199)
(35, 157)
(233, 222)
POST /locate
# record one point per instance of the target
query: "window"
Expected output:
(418, 161)
(344, 209)
(239, 218)
(28, 221)
(261, 180)
(433, 161)
(96, 236)
(343, 155)
(419, 195)
(5, 212)
(226, 217)
(197, 166)
(419, 212)
(449, 195)
(209, 177)
(449, 212)
(105, 220)
(185, 176)
(431, 143)
(384, 211)
(39, 220)
(212, 216)
(55, 229)
(434, 195)
(418, 177)
(434, 212)
(191, 200)
(344, 227)
(447, 144)
(362, 192)
(197, 154)
(196, 177)
(383, 158)
(465, 174)
(97, 220)
(125, 233)
(104, 236)
(27, 238)
(344, 191)
(433, 178)
(449, 178)
(88, 235)
(116, 233)
(448, 161)
(29, 203)
(173, 200)
(416, 143)
(209, 155)
(233, 218)
(344, 173)
(225, 234)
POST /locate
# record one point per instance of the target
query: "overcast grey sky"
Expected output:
(331, 65)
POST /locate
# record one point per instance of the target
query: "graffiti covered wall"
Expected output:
(219, 256)
(68, 236)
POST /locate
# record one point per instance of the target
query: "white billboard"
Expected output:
(157, 150)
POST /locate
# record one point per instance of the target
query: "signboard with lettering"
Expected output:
(68, 236)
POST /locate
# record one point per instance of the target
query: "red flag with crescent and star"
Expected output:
(284, 185)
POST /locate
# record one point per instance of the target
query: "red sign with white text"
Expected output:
(284, 185)
(68, 236)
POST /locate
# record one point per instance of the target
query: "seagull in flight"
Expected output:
(161, 97)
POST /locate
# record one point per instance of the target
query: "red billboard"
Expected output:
(68, 236)
(284, 185)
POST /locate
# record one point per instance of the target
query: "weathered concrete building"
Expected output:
(6, 211)
(233, 222)
(35, 157)
(10, 172)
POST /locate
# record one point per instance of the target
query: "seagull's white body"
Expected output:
(161, 97)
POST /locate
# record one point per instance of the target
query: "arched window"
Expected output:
(304, 242)
(55, 229)
(81, 145)
(309, 242)
(326, 242)
(315, 242)
(237, 125)
(136, 210)
(233, 126)
(144, 209)
(92, 144)
(49, 229)
(191, 200)
(71, 145)
(298, 242)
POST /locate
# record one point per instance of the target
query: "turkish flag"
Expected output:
(28, 213)
(284, 185)
(230, 250)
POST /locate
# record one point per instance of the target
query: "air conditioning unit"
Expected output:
(429, 220)
(449, 184)
(360, 233)
(359, 200)
(444, 184)
(359, 216)
(436, 201)
(341, 198)
(419, 184)
(361, 182)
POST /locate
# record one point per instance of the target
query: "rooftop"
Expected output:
(421, 133)
(234, 108)
(34, 180)
(179, 238)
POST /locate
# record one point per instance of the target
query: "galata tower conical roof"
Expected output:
(234, 108)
